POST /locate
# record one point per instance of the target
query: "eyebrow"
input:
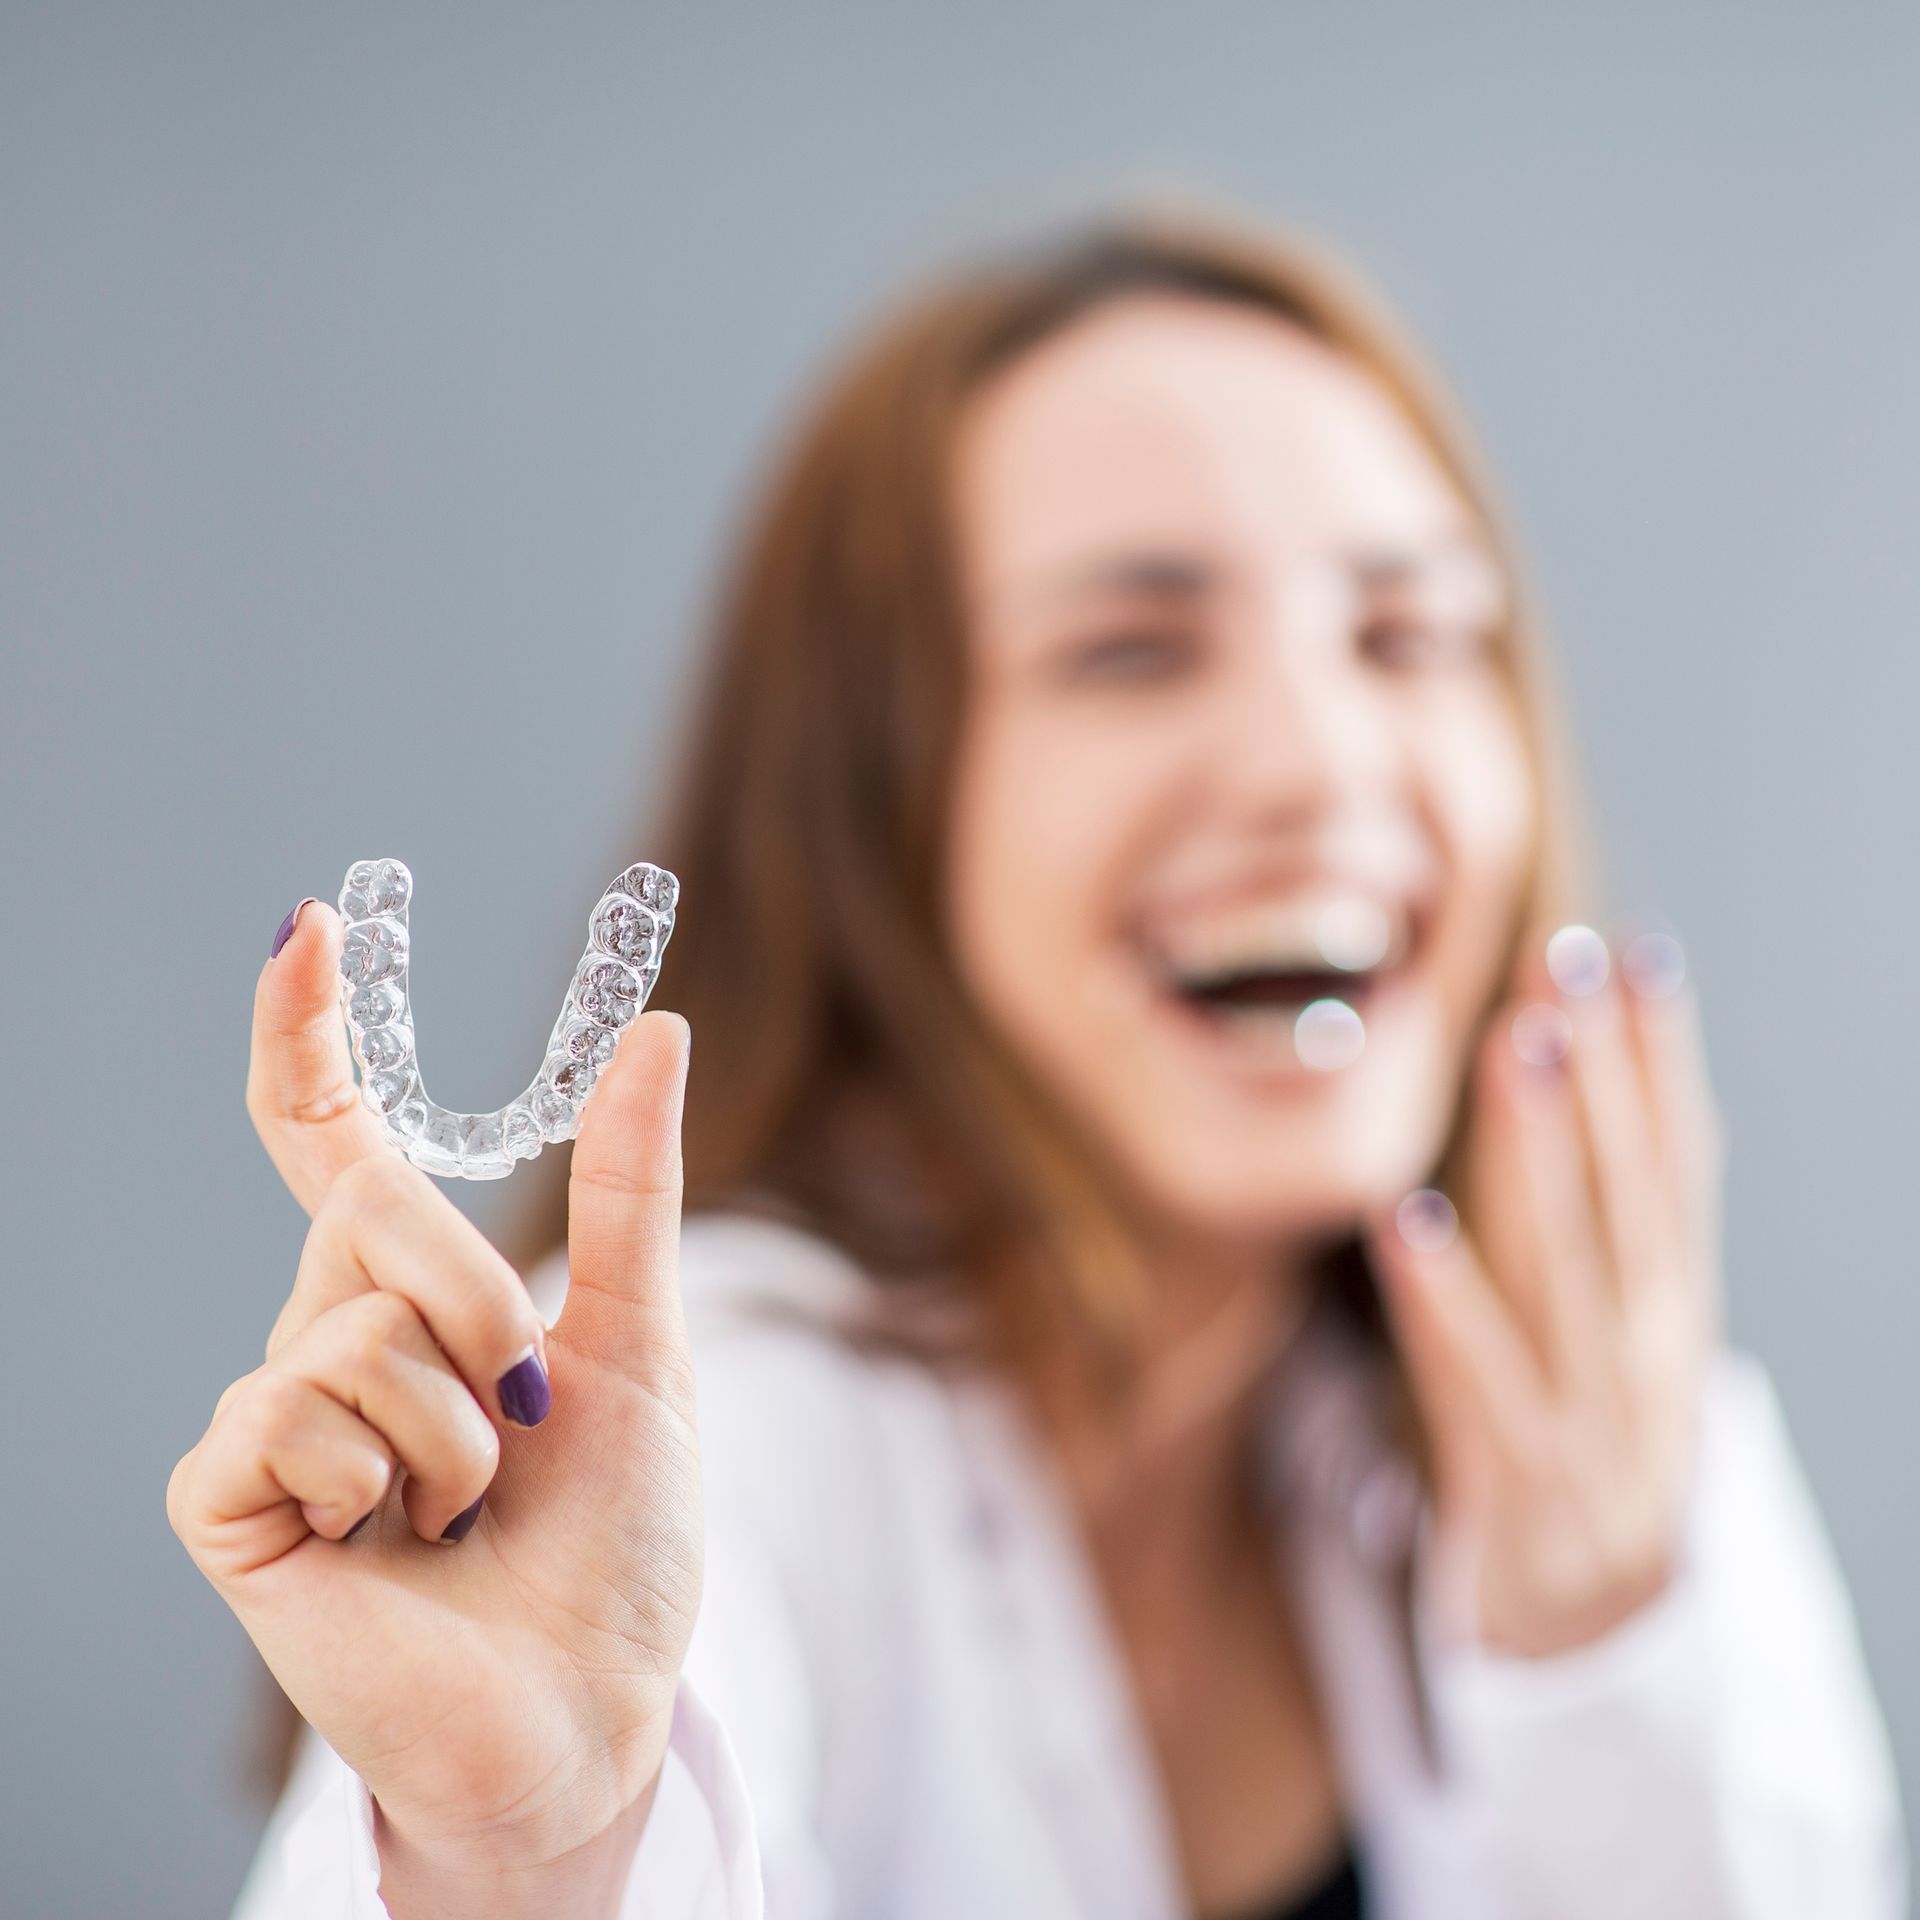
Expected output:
(1168, 575)
(1174, 575)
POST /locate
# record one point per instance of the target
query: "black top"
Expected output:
(1337, 1897)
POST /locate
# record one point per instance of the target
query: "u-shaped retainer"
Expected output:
(627, 933)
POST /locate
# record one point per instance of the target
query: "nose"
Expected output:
(1302, 732)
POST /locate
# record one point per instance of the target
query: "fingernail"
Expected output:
(1426, 1220)
(1577, 960)
(1541, 1034)
(287, 926)
(358, 1524)
(462, 1522)
(1654, 964)
(525, 1395)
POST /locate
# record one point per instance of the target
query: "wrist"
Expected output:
(449, 1881)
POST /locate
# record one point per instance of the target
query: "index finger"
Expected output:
(301, 1092)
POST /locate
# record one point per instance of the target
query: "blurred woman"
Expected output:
(1201, 1259)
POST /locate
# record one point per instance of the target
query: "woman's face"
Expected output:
(1238, 728)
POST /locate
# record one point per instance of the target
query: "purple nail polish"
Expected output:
(1426, 1220)
(462, 1522)
(1655, 965)
(1577, 960)
(1541, 1034)
(287, 926)
(525, 1394)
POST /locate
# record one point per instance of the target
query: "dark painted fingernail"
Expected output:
(1577, 960)
(1541, 1034)
(525, 1395)
(462, 1522)
(1426, 1220)
(1655, 965)
(358, 1524)
(287, 926)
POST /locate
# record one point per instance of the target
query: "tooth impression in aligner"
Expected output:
(627, 933)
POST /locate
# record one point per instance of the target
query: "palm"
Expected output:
(514, 1674)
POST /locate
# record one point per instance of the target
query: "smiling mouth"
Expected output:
(1283, 1017)
(1287, 1022)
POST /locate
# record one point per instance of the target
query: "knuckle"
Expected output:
(322, 1105)
(378, 1324)
(282, 1330)
(177, 1492)
(609, 1176)
(476, 1456)
(269, 1104)
(484, 1306)
(274, 1410)
(512, 1323)
(232, 1392)
(375, 1183)
(370, 1476)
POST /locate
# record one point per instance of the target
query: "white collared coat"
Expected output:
(903, 1700)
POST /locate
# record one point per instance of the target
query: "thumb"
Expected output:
(623, 1200)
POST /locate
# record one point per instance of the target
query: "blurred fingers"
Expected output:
(1663, 1016)
(1477, 1382)
(1528, 1189)
(1611, 1102)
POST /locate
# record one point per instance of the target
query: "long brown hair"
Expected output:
(841, 1075)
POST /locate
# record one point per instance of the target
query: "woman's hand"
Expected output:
(1557, 1343)
(495, 1650)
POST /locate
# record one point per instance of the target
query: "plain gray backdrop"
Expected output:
(378, 386)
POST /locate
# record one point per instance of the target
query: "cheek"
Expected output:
(1049, 822)
(1031, 844)
(1486, 814)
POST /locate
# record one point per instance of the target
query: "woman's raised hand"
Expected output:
(495, 1650)
(1557, 1347)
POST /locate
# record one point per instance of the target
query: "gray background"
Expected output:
(377, 385)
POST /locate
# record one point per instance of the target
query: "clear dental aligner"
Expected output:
(627, 933)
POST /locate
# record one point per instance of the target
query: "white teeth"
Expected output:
(1354, 935)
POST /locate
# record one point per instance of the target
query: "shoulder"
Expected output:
(1761, 1559)
(1755, 1515)
(826, 1468)
(806, 1429)
(781, 1389)
(741, 1269)
(1747, 1458)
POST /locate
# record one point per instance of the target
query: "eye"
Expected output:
(1130, 654)
(1410, 645)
